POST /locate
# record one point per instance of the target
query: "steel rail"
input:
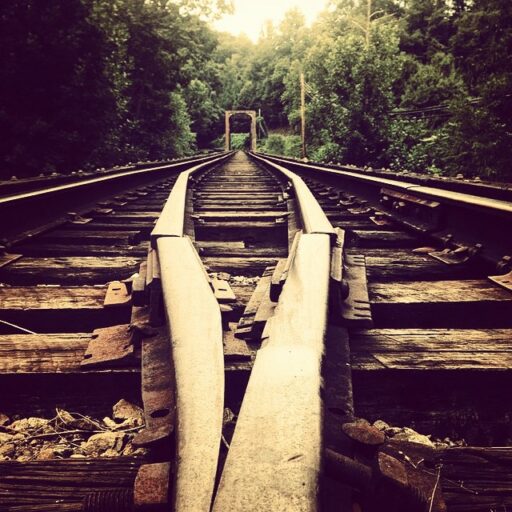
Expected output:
(480, 188)
(34, 194)
(171, 221)
(314, 219)
(468, 200)
(274, 460)
(26, 184)
(453, 220)
(195, 328)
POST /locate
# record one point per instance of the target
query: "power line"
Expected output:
(441, 110)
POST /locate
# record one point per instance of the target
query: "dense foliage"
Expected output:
(99, 82)
(424, 85)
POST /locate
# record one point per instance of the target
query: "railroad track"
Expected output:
(290, 346)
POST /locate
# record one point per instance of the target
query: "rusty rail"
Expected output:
(45, 206)
(195, 328)
(313, 217)
(85, 183)
(459, 220)
(274, 460)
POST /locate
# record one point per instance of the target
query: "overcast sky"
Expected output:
(250, 15)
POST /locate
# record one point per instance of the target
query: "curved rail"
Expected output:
(478, 188)
(455, 219)
(470, 200)
(48, 206)
(198, 360)
(313, 217)
(84, 183)
(274, 460)
(281, 470)
(195, 328)
(172, 219)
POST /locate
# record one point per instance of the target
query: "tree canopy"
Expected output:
(424, 85)
(97, 82)
(418, 84)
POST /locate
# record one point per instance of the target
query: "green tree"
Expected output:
(56, 104)
(232, 57)
(482, 133)
(88, 82)
(162, 53)
(428, 26)
(279, 50)
(352, 73)
(433, 83)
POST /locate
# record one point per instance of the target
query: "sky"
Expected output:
(250, 15)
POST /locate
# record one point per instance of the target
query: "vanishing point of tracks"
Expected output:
(289, 334)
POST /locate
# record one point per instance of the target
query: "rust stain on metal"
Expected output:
(157, 389)
(458, 255)
(110, 346)
(388, 193)
(392, 469)
(381, 219)
(102, 211)
(152, 485)
(422, 475)
(348, 470)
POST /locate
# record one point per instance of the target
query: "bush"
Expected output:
(274, 145)
(328, 152)
(292, 146)
(283, 145)
(415, 146)
(240, 141)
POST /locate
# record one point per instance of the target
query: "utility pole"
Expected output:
(303, 114)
